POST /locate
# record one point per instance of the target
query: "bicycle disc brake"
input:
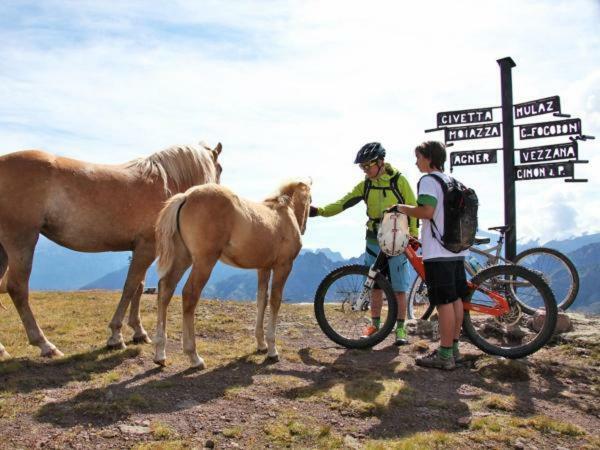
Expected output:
(513, 316)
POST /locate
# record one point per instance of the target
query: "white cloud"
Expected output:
(295, 88)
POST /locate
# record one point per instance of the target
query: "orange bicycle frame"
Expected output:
(501, 305)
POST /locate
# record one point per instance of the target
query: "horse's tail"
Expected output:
(167, 231)
(3, 273)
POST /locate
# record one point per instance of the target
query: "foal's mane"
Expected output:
(183, 165)
(284, 195)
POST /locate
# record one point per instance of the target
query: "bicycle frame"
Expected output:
(501, 304)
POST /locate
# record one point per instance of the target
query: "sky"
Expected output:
(295, 88)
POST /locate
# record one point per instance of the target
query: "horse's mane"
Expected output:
(283, 197)
(183, 165)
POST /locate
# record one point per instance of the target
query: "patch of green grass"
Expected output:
(505, 429)
(418, 441)
(545, 424)
(365, 396)
(10, 366)
(233, 391)
(164, 445)
(233, 432)
(293, 430)
(164, 384)
(500, 402)
(110, 377)
(162, 431)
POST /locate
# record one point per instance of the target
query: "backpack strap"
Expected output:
(444, 187)
(392, 187)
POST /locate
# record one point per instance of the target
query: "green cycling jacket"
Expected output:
(380, 197)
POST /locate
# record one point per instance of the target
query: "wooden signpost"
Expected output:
(478, 123)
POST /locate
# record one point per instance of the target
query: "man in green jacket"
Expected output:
(382, 187)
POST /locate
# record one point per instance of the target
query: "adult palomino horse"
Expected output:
(90, 208)
(208, 223)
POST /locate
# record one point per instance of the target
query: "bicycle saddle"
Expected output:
(501, 229)
(481, 240)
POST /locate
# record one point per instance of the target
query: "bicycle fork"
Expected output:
(362, 303)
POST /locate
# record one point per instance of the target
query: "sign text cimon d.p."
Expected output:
(548, 170)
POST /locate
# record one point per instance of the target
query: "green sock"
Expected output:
(376, 321)
(399, 324)
(445, 352)
(455, 345)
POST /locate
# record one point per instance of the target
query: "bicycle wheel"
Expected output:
(418, 301)
(518, 332)
(336, 296)
(557, 270)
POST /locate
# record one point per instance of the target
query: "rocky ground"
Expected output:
(317, 395)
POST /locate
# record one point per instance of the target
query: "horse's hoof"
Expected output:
(144, 339)
(52, 353)
(116, 346)
(197, 363)
(261, 351)
(161, 362)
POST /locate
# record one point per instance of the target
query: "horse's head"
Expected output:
(299, 194)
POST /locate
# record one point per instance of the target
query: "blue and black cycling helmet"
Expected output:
(369, 152)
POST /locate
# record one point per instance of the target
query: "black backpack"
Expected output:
(460, 215)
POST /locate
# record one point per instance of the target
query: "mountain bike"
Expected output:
(494, 319)
(556, 269)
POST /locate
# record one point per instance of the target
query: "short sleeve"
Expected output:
(427, 194)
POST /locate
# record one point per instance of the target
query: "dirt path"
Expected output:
(318, 395)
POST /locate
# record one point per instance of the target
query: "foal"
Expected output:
(210, 223)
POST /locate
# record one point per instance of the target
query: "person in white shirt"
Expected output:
(444, 270)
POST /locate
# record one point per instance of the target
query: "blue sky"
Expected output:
(295, 88)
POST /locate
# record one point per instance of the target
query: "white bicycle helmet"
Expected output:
(393, 233)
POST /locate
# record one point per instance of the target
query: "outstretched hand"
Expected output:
(313, 211)
(393, 209)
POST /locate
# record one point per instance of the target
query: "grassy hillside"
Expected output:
(317, 396)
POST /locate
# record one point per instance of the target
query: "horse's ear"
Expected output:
(217, 150)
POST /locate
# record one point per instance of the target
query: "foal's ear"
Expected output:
(217, 151)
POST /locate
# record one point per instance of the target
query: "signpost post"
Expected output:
(508, 157)
(478, 123)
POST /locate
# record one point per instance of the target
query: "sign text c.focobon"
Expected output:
(550, 129)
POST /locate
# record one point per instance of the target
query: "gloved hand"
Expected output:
(313, 211)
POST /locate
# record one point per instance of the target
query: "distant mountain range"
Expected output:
(57, 268)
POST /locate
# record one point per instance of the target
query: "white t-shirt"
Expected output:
(432, 247)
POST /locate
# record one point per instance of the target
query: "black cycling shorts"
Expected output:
(446, 281)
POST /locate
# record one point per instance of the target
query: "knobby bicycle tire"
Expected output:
(505, 272)
(563, 300)
(321, 315)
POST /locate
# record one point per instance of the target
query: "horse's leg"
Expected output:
(135, 321)
(280, 275)
(191, 294)
(261, 304)
(142, 257)
(18, 289)
(3, 275)
(166, 288)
